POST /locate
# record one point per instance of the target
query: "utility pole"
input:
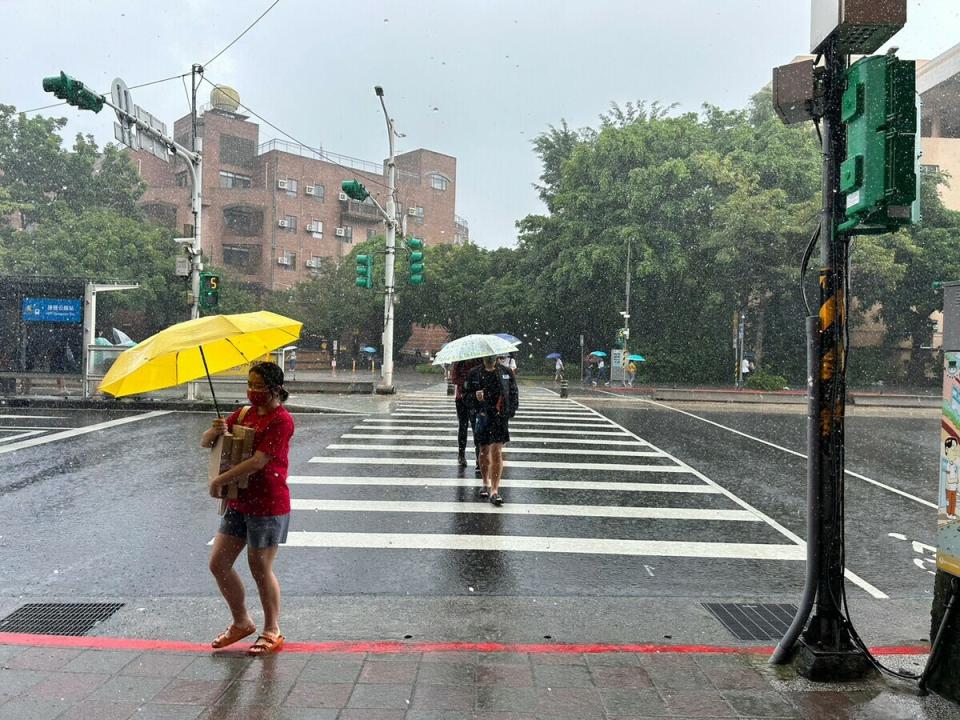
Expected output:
(196, 205)
(740, 336)
(386, 386)
(626, 314)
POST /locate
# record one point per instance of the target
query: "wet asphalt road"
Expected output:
(694, 511)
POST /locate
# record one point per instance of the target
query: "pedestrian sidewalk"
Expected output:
(64, 678)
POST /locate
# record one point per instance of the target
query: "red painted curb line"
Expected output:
(384, 647)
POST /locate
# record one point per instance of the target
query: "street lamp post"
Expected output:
(386, 386)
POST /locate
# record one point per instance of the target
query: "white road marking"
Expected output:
(74, 432)
(510, 451)
(519, 415)
(470, 482)
(21, 435)
(33, 417)
(453, 438)
(5, 428)
(612, 432)
(452, 462)
(794, 452)
(514, 422)
(607, 511)
(871, 589)
(515, 543)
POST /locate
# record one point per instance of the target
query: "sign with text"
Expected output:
(53, 310)
(948, 537)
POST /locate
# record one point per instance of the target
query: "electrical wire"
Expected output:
(805, 262)
(249, 27)
(320, 153)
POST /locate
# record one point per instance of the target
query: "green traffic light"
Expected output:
(355, 190)
(416, 279)
(364, 271)
(73, 91)
(415, 243)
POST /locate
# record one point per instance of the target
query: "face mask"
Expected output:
(258, 397)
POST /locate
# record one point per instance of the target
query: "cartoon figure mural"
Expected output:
(948, 526)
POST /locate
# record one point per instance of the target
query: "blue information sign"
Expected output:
(53, 310)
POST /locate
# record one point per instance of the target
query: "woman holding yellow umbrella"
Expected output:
(259, 518)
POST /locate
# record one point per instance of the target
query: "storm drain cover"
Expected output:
(57, 618)
(754, 621)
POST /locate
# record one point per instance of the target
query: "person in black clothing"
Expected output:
(493, 392)
(466, 414)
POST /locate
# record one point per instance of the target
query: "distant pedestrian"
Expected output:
(587, 372)
(558, 367)
(466, 415)
(744, 370)
(631, 373)
(601, 373)
(492, 390)
(509, 362)
(292, 362)
(259, 518)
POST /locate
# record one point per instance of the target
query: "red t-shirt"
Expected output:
(267, 492)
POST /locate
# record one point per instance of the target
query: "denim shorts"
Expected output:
(260, 531)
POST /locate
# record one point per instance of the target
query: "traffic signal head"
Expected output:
(415, 248)
(209, 290)
(879, 175)
(355, 190)
(365, 271)
(66, 88)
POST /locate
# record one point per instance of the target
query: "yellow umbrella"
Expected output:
(195, 348)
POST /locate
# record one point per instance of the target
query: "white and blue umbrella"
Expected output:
(512, 339)
(473, 346)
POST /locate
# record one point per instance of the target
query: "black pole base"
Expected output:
(821, 664)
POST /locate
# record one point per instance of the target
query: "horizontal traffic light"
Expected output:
(73, 91)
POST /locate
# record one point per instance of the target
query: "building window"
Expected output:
(182, 179)
(232, 180)
(289, 186)
(246, 222)
(439, 182)
(245, 258)
(288, 260)
(315, 228)
(347, 233)
(418, 217)
(313, 264)
(291, 223)
(237, 150)
(188, 231)
(318, 191)
(371, 233)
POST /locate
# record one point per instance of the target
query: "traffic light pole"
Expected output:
(386, 386)
(826, 648)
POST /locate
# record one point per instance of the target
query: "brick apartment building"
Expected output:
(273, 212)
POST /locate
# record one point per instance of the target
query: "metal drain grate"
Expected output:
(58, 618)
(754, 621)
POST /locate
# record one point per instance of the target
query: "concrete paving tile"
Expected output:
(323, 670)
(676, 676)
(633, 703)
(191, 692)
(612, 658)
(41, 658)
(397, 656)
(168, 712)
(444, 697)
(395, 673)
(504, 658)
(579, 703)
(68, 688)
(700, 703)
(275, 668)
(244, 692)
(512, 699)
(380, 697)
(215, 667)
(734, 678)
(562, 676)
(100, 661)
(318, 695)
(261, 712)
(9, 651)
(560, 658)
(826, 704)
(454, 656)
(368, 714)
(446, 673)
(449, 715)
(100, 710)
(28, 709)
(505, 675)
(158, 664)
(760, 703)
(620, 676)
(17, 682)
(127, 689)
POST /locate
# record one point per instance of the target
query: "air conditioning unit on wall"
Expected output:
(412, 211)
(283, 260)
(341, 232)
(343, 197)
(315, 227)
(282, 223)
(281, 184)
(310, 190)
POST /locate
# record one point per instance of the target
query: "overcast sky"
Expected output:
(475, 79)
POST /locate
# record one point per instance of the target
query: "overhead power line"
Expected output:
(249, 27)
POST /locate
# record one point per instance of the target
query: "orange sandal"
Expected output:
(231, 635)
(266, 644)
